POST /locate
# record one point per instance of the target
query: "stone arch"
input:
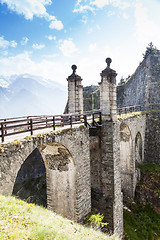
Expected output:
(138, 148)
(126, 159)
(54, 164)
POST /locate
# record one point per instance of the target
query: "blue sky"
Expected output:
(45, 37)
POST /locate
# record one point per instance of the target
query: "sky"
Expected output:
(45, 37)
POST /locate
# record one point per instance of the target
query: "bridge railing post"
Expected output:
(54, 127)
(93, 119)
(31, 126)
(5, 132)
(62, 121)
(71, 121)
(85, 120)
(100, 117)
(46, 122)
(2, 132)
(28, 122)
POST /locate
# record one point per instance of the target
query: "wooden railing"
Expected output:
(137, 108)
(128, 109)
(13, 126)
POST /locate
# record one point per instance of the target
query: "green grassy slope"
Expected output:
(142, 216)
(19, 220)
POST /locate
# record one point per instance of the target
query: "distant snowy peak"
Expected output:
(5, 81)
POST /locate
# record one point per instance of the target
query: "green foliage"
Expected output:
(95, 220)
(150, 167)
(28, 137)
(81, 127)
(150, 50)
(142, 223)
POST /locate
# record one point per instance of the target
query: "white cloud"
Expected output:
(13, 44)
(92, 47)
(5, 44)
(23, 63)
(55, 24)
(51, 37)
(83, 8)
(146, 29)
(31, 8)
(28, 8)
(38, 46)
(84, 19)
(24, 41)
(100, 3)
(91, 5)
(67, 47)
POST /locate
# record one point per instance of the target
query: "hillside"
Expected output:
(19, 220)
(142, 216)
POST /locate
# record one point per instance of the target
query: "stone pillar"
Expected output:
(111, 196)
(108, 102)
(110, 200)
(75, 92)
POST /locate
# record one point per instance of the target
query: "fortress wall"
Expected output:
(143, 87)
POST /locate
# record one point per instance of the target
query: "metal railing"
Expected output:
(18, 125)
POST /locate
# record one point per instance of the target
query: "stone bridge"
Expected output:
(83, 167)
(86, 167)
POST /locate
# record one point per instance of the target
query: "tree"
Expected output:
(150, 50)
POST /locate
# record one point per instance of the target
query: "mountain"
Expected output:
(22, 95)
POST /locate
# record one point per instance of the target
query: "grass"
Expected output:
(19, 220)
(142, 223)
(150, 168)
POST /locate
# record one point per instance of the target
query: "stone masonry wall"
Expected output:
(143, 86)
(76, 141)
(152, 139)
(105, 175)
(136, 125)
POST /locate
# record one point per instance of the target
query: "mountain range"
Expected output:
(27, 95)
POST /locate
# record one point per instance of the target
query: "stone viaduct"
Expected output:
(86, 167)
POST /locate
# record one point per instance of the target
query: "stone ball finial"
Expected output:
(108, 61)
(74, 67)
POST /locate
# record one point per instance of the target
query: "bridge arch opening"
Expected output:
(30, 183)
(138, 148)
(53, 163)
(126, 159)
